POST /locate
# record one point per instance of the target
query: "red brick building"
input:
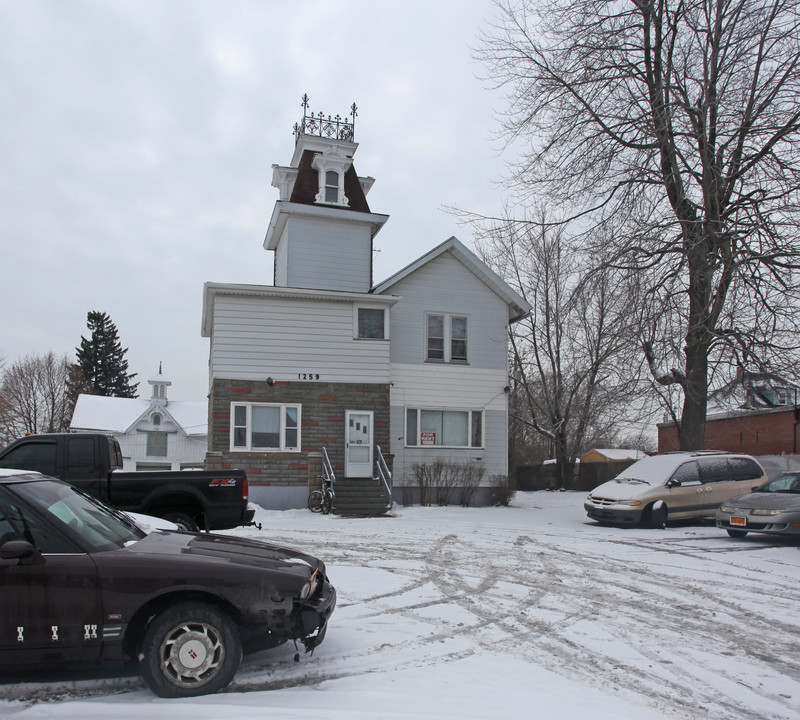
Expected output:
(755, 413)
(755, 432)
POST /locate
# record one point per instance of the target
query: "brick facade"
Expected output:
(322, 425)
(771, 432)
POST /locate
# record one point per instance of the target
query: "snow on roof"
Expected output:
(620, 453)
(111, 414)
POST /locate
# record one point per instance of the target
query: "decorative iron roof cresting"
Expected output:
(337, 128)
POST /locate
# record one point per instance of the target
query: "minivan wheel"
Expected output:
(658, 515)
(737, 533)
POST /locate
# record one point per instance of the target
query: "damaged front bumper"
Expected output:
(314, 615)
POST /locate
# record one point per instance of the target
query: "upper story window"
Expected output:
(331, 167)
(371, 323)
(157, 444)
(156, 419)
(446, 338)
(331, 186)
(265, 427)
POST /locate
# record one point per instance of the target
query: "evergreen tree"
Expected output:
(102, 362)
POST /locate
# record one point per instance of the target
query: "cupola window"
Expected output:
(331, 186)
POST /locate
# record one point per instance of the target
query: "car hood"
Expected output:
(621, 489)
(225, 549)
(768, 501)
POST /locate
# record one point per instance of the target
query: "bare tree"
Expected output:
(566, 381)
(33, 396)
(677, 124)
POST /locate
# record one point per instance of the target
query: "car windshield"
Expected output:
(101, 527)
(786, 483)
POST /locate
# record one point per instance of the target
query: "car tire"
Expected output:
(658, 516)
(183, 521)
(189, 649)
(737, 533)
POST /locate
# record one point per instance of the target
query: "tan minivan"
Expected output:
(673, 486)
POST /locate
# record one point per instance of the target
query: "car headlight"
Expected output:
(727, 508)
(310, 587)
(764, 511)
(632, 503)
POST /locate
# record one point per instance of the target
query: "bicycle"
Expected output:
(321, 500)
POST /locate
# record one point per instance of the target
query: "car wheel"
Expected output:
(737, 533)
(189, 649)
(658, 515)
(183, 521)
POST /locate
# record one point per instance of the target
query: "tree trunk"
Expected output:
(692, 430)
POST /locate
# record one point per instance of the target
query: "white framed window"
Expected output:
(444, 428)
(156, 444)
(371, 323)
(446, 338)
(331, 186)
(265, 427)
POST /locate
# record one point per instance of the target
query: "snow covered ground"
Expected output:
(529, 611)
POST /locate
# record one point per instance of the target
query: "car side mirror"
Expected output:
(672, 483)
(22, 551)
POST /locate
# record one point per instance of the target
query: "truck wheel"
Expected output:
(189, 649)
(183, 521)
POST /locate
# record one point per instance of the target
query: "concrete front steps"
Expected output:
(363, 497)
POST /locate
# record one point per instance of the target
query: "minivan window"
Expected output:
(744, 468)
(714, 469)
(686, 474)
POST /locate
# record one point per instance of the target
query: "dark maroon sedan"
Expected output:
(80, 581)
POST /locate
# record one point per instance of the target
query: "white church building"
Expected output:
(154, 433)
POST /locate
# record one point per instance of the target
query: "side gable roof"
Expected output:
(518, 306)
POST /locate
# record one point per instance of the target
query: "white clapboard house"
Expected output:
(154, 433)
(325, 365)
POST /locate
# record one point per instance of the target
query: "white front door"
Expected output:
(358, 443)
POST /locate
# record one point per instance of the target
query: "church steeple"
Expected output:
(322, 228)
(159, 384)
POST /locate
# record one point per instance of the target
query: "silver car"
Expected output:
(773, 508)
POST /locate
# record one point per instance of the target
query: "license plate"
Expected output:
(741, 521)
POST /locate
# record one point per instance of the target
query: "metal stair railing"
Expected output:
(384, 474)
(327, 469)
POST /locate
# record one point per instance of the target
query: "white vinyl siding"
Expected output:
(452, 387)
(445, 287)
(327, 255)
(291, 339)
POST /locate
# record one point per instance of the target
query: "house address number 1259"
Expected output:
(308, 376)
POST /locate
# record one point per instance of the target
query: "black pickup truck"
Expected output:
(192, 499)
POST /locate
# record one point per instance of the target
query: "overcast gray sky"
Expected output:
(138, 138)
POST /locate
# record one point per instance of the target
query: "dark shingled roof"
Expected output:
(306, 186)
